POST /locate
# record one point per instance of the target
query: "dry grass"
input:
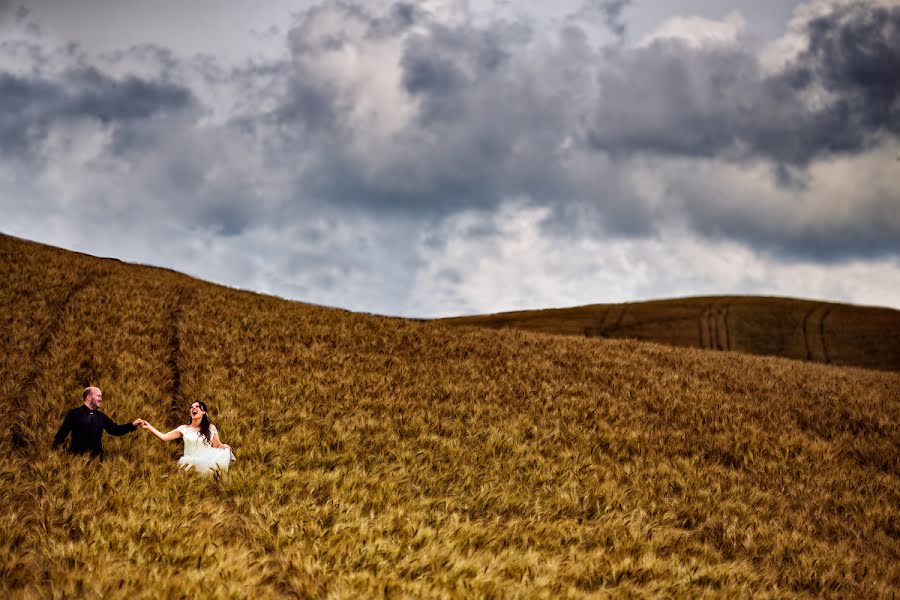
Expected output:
(380, 457)
(822, 332)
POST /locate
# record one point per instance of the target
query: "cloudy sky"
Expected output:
(446, 157)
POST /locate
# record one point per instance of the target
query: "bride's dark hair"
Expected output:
(204, 422)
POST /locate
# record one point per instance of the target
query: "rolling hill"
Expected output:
(823, 332)
(385, 457)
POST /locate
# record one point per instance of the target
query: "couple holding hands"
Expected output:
(203, 451)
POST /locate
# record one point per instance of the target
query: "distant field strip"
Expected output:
(808, 330)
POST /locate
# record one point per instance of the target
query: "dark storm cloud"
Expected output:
(483, 123)
(610, 11)
(11, 11)
(31, 106)
(674, 99)
(448, 68)
(855, 52)
(868, 239)
(503, 111)
(868, 228)
(479, 114)
(19, 15)
(95, 95)
(313, 102)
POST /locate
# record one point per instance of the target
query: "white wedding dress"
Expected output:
(199, 455)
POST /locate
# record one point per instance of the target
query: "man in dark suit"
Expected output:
(87, 424)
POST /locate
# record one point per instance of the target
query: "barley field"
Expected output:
(383, 457)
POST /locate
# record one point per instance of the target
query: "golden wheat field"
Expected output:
(384, 457)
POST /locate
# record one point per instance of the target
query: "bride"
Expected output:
(203, 451)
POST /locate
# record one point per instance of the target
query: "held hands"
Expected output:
(141, 423)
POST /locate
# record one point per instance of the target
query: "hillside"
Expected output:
(823, 332)
(381, 457)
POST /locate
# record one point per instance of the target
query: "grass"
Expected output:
(388, 458)
(822, 332)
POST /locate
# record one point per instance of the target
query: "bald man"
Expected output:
(87, 424)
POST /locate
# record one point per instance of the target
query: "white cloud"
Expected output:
(698, 32)
(835, 197)
(333, 48)
(508, 261)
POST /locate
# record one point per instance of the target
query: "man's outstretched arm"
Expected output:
(112, 429)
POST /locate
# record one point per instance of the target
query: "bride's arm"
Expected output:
(217, 443)
(166, 437)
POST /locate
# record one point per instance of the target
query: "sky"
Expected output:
(445, 157)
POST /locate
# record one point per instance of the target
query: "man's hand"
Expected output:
(139, 423)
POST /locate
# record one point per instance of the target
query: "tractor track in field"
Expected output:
(602, 329)
(713, 331)
(19, 427)
(176, 304)
(822, 334)
(814, 333)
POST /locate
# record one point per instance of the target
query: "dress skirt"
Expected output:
(207, 461)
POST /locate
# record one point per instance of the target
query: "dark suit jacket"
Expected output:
(87, 427)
